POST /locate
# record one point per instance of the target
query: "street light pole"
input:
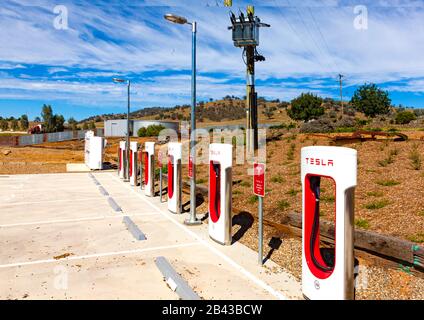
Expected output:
(127, 160)
(181, 20)
(193, 219)
(127, 168)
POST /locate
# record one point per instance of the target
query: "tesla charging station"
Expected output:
(220, 192)
(328, 273)
(174, 177)
(122, 156)
(134, 163)
(94, 150)
(149, 169)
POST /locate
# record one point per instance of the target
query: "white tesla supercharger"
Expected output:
(174, 177)
(94, 150)
(220, 192)
(122, 154)
(149, 169)
(134, 163)
(328, 273)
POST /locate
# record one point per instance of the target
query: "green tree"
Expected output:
(4, 125)
(14, 125)
(92, 125)
(37, 119)
(73, 124)
(24, 122)
(371, 100)
(48, 118)
(58, 123)
(405, 117)
(85, 126)
(142, 132)
(306, 107)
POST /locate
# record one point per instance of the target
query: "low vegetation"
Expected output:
(376, 194)
(388, 183)
(283, 204)
(362, 223)
(277, 179)
(415, 157)
(252, 199)
(375, 205)
(418, 238)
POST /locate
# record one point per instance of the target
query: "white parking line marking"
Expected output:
(98, 255)
(99, 197)
(93, 218)
(249, 275)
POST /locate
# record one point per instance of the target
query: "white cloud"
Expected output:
(302, 42)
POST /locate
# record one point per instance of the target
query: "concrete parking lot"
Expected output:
(61, 239)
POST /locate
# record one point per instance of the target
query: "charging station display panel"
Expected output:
(149, 169)
(328, 273)
(133, 163)
(174, 177)
(220, 192)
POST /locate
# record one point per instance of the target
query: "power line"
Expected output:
(310, 35)
(323, 39)
(311, 53)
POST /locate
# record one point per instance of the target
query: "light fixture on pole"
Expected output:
(181, 20)
(126, 163)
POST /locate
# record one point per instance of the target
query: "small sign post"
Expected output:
(160, 164)
(259, 191)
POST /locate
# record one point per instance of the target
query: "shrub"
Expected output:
(283, 204)
(377, 204)
(290, 153)
(375, 194)
(293, 192)
(277, 179)
(279, 126)
(252, 199)
(306, 107)
(151, 131)
(388, 183)
(362, 223)
(415, 158)
(142, 132)
(405, 117)
(317, 126)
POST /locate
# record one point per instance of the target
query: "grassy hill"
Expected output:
(229, 110)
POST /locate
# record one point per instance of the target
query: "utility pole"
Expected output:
(341, 92)
(251, 96)
(246, 35)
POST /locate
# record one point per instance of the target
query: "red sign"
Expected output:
(190, 167)
(259, 179)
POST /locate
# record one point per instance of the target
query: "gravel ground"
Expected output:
(398, 212)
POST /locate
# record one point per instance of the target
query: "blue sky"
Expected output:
(308, 45)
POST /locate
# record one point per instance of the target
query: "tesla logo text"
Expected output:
(215, 153)
(320, 162)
